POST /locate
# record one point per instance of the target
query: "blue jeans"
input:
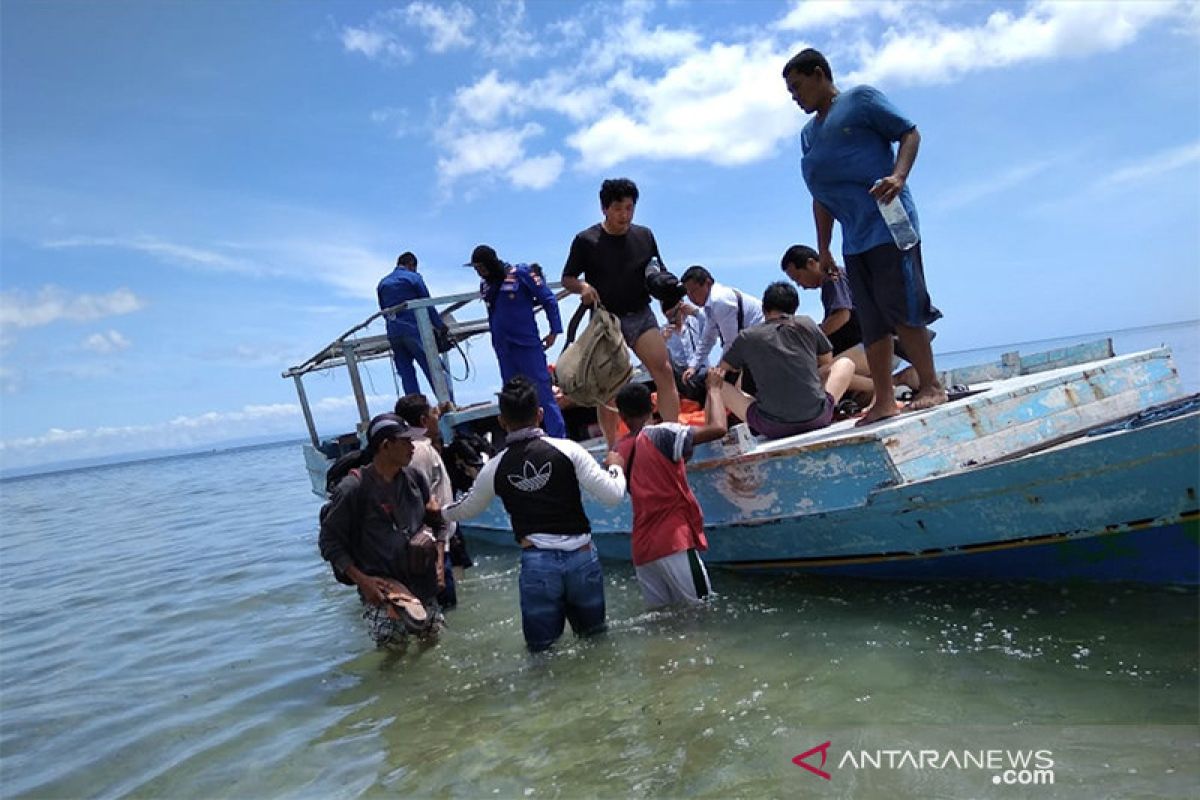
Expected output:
(404, 351)
(558, 586)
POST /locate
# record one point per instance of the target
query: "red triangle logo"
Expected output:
(823, 749)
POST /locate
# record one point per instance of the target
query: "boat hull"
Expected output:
(1115, 507)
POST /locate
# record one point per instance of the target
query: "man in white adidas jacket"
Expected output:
(539, 479)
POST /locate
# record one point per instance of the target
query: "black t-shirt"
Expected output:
(848, 335)
(615, 266)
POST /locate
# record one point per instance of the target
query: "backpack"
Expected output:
(591, 369)
(343, 466)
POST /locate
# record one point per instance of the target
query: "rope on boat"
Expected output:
(1159, 413)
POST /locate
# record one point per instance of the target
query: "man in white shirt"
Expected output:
(726, 312)
(417, 412)
(683, 330)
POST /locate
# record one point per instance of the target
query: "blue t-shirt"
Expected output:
(845, 153)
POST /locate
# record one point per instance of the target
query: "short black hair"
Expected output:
(407, 260)
(519, 401)
(781, 296)
(806, 62)
(798, 254)
(412, 408)
(633, 400)
(695, 273)
(536, 269)
(615, 189)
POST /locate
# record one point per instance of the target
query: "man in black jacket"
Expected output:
(539, 478)
(374, 529)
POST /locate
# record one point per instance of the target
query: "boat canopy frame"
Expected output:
(350, 349)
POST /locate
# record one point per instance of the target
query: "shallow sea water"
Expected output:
(167, 629)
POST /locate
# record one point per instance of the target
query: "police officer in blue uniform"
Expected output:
(511, 293)
(401, 285)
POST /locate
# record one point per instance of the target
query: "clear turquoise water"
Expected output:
(167, 629)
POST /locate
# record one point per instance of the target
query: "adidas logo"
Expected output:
(532, 479)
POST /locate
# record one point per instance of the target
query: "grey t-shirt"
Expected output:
(782, 356)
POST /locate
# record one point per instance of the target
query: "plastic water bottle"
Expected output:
(898, 223)
(653, 266)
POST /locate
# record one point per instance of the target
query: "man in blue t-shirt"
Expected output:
(848, 164)
(398, 286)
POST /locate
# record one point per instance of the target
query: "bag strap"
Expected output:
(741, 312)
(573, 326)
(629, 466)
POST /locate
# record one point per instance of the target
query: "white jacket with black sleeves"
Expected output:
(540, 480)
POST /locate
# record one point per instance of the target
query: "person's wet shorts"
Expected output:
(636, 323)
(888, 285)
(771, 429)
(560, 586)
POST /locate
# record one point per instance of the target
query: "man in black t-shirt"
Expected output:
(612, 257)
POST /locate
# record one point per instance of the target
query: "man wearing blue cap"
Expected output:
(511, 293)
(375, 532)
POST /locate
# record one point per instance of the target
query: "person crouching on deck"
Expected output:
(539, 479)
(668, 526)
(788, 352)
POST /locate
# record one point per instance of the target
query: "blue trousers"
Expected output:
(404, 351)
(530, 361)
(560, 586)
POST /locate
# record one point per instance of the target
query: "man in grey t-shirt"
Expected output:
(788, 353)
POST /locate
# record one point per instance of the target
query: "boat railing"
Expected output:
(351, 348)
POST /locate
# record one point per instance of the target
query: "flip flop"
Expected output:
(405, 607)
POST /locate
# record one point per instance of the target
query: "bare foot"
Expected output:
(928, 398)
(878, 411)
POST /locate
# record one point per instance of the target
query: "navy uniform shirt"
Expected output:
(511, 302)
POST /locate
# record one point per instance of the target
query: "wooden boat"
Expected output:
(1073, 464)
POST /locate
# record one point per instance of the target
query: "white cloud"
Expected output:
(631, 88)
(926, 51)
(537, 173)
(169, 252)
(810, 15)
(485, 152)
(199, 430)
(447, 25)
(1156, 164)
(375, 43)
(963, 195)
(20, 309)
(487, 100)
(108, 342)
(724, 105)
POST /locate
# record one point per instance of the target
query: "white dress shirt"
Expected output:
(721, 320)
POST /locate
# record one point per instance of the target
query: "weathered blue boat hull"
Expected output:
(1160, 554)
(1114, 507)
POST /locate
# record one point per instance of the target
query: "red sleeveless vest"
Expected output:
(666, 517)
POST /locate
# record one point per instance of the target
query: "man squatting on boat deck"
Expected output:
(612, 256)
(375, 529)
(668, 525)
(846, 174)
(539, 478)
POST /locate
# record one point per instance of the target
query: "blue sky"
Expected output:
(197, 195)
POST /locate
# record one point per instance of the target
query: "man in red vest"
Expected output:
(668, 526)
